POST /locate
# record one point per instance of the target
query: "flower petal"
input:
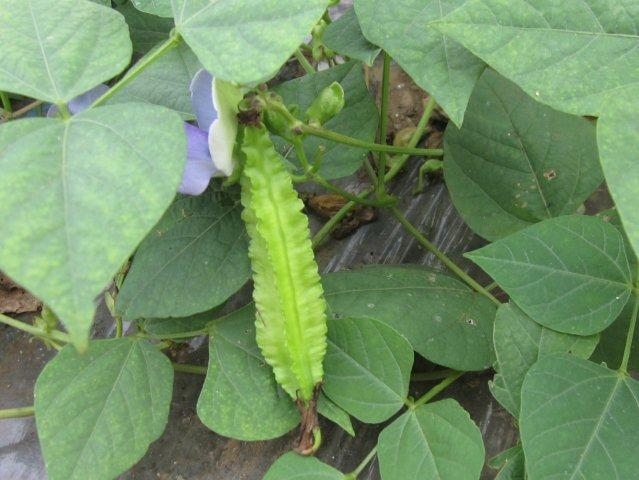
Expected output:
(202, 99)
(199, 167)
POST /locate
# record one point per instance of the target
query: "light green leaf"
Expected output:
(438, 65)
(292, 466)
(515, 161)
(98, 412)
(54, 51)
(358, 118)
(579, 420)
(161, 8)
(193, 260)
(165, 82)
(345, 37)
(367, 368)
(443, 320)
(240, 398)
(437, 440)
(618, 144)
(247, 43)
(568, 273)
(80, 195)
(519, 343)
(146, 30)
(572, 56)
(326, 408)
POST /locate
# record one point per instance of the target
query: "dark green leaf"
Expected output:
(366, 368)
(240, 398)
(292, 466)
(247, 44)
(345, 37)
(444, 320)
(572, 56)
(436, 64)
(519, 343)
(579, 420)
(357, 119)
(98, 412)
(193, 260)
(146, 30)
(335, 414)
(514, 467)
(86, 190)
(613, 340)
(168, 327)
(54, 51)
(515, 161)
(437, 440)
(568, 273)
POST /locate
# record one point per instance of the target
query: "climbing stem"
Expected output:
(306, 65)
(172, 42)
(362, 465)
(182, 367)
(399, 216)
(55, 335)
(436, 389)
(383, 122)
(623, 368)
(17, 412)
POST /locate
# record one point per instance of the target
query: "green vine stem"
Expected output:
(436, 390)
(6, 103)
(353, 475)
(399, 216)
(308, 68)
(623, 368)
(395, 169)
(55, 335)
(383, 122)
(172, 42)
(431, 376)
(22, 111)
(196, 369)
(17, 412)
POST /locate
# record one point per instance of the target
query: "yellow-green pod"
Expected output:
(291, 311)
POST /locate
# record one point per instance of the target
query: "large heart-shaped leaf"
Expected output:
(579, 420)
(443, 320)
(245, 42)
(55, 51)
(438, 65)
(572, 55)
(193, 260)
(519, 343)
(515, 161)
(568, 273)
(367, 368)
(357, 119)
(80, 195)
(147, 30)
(97, 412)
(436, 440)
(345, 36)
(240, 398)
(161, 8)
(292, 466)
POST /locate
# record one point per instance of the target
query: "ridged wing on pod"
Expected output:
(291, 311)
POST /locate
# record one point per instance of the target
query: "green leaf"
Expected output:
(514, 467)
(357, 119)
(161, 8)
(579, 420)
(193, 260)
(613, 340)
(568, 273)
(87, 191)
(170, 327)
(439, 66)
(345, 37)
(618, 143)
(515, 161)
(571, 56)
(54, 51)
(519, 343)
(98, 412)
(444, 320)
(231, 42)
(165, 82)
(146, 30)
(240, 398)
(367, 368)
(436, 440)
(335, 414)
(292, 466)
